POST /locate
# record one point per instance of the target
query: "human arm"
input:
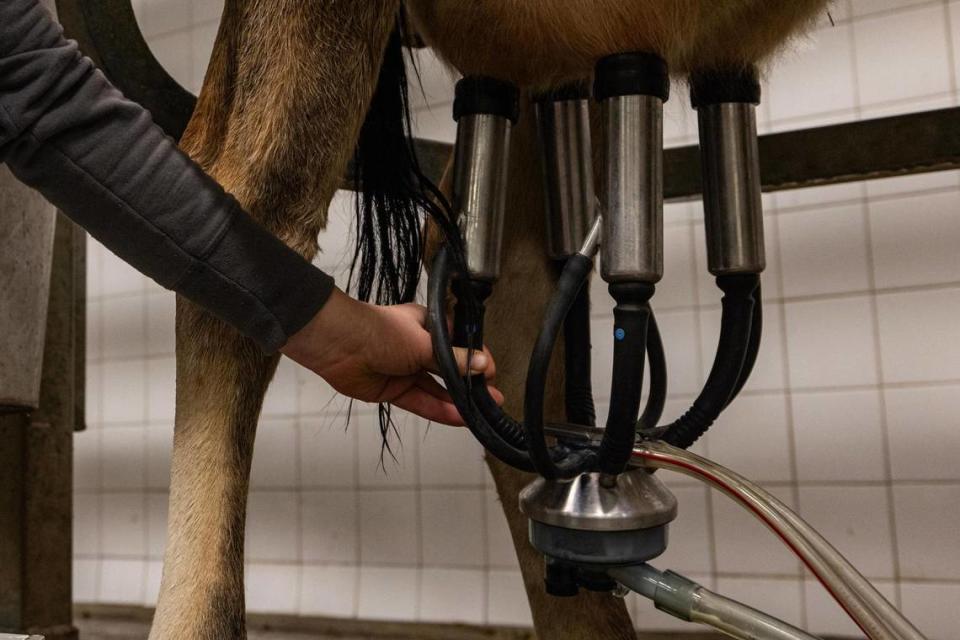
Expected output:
(382, 354)
(67, 132)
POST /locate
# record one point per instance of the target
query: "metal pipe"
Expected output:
(563, 132)
(685, 599)
(563, 126)
(480, 189)
(485, 110)
(631, 88)
(633, 189)
(731, 188)
(591, 243)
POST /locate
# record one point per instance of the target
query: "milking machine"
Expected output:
(725, 104)
(597, 512)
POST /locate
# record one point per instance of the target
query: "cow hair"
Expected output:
(393, 198)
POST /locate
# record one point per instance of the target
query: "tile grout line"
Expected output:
(789, 410)
(850, 294)
(358, 518)
(884, 422)
(418, 523)
(98, 327)
(924, 482)
(678, 481)
(874, 577)
(298, 481)
(485, 548)
(796, 209)
(877, 348)
(144, 476)
(698, 359)
(951, 49)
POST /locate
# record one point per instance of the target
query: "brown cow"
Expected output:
(281, 109)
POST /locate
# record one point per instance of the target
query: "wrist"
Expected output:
(336, 331)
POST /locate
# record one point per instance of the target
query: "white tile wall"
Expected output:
(506, 599)
(826, 618)
(856, 520)
(850, 416)
(778, 596)
(927, 523)
(931, 454)
(272, 587)
(929, 604)
(451, 595)
(844, 421)
(903, 55)
(329, 590)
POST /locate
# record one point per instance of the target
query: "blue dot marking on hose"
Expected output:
(619, 333)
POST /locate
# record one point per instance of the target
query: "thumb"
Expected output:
(479, 362)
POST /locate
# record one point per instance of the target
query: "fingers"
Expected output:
(481, 362)
(496, 395)
(420, 402)
(429, 400)
(426, 382)
(434, 388)
(417, 312)
(490, 370)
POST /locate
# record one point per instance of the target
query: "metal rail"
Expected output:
(914, 143)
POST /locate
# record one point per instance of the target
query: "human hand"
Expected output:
(381, 354)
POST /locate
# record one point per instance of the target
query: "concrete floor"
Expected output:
(95, 629)
(130, 623)
(126, 623)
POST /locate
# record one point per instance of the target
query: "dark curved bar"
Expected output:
(108, 33)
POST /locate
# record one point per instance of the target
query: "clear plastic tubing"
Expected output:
(875, 616)
(740, 621)
(687, 600)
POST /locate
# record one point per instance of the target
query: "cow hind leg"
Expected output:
(280, 112)
(222, 378)
(526, 283)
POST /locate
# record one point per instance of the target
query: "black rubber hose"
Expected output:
(577, 387)
(657, 396)
(471, 337)
(753, 348)
(456, 387)
(725, 374)
(631, 317)
(572, 279)
(467, 326)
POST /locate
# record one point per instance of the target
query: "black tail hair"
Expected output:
(392, 195)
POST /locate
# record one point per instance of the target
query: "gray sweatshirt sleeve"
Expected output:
(65, 131)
